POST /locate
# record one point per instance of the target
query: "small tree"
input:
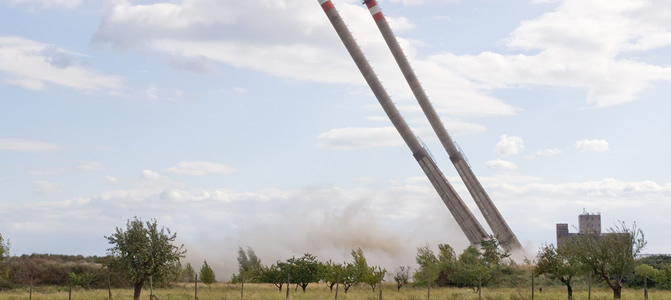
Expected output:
(350, 276)
(4, 248)
(663, 276)
(189, 273)
(249, 265)
(359, 261)
(304, 270)
(559, 264)
(84, 279)
(273, 274)
(645, 271)
(428, 265)
(175, 273)
(401, 276)
(492, 253)
(207, 274)
(610, 256)
(331, 273)
(374, 276)
(4, 254)
(143, 252)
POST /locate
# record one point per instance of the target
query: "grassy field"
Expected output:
(224, 291)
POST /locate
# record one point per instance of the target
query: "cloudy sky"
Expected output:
(245, 123)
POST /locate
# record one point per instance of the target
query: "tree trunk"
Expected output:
(645, 287)
(138, 290)
(570, 291)
(617, 292)
(288, 284)
(379, 289)
(615, 285)
(303, 286)
(589, 293)
(337, 286)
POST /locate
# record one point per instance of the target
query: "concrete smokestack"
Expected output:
(464, 217)
(491, 214)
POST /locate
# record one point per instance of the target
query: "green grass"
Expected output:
(225, 291)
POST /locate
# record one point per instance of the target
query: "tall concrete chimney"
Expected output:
(464, 217)
(492, 215)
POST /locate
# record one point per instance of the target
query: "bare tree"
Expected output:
(401, 276)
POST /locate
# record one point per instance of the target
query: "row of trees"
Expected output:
(474, 267)
(301, 271)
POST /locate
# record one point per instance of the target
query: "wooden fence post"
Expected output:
(30, 296)
(337, 286)
(196, 282)
(480, 285)
(70, 291)
(589, 289)
(242, 288)
(533, 286)
(380, 288)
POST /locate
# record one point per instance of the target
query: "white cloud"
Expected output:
(31, 65)
(151, 175)
(548, 152)
(26, 84)
(509, 145)
(351, 138)
(500, 164)
(49, 3)
(378, 118)
(27, 145)
(200, 168)
(292, 43)
(92, 166)
(46, 187)
(592, 145)
(581, 44)
(365, 137)
(240, 90)
(111, 179)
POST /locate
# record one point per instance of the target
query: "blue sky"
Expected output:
(245, 123)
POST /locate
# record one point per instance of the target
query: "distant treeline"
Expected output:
(60, 270)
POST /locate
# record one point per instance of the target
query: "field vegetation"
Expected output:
(228, 291)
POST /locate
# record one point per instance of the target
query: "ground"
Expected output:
(225, 291)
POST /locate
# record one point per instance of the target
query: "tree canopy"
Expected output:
(249, 265)
(559, 264)
(4, 254)
(207, 274)
(610, 256)
(143, 251)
